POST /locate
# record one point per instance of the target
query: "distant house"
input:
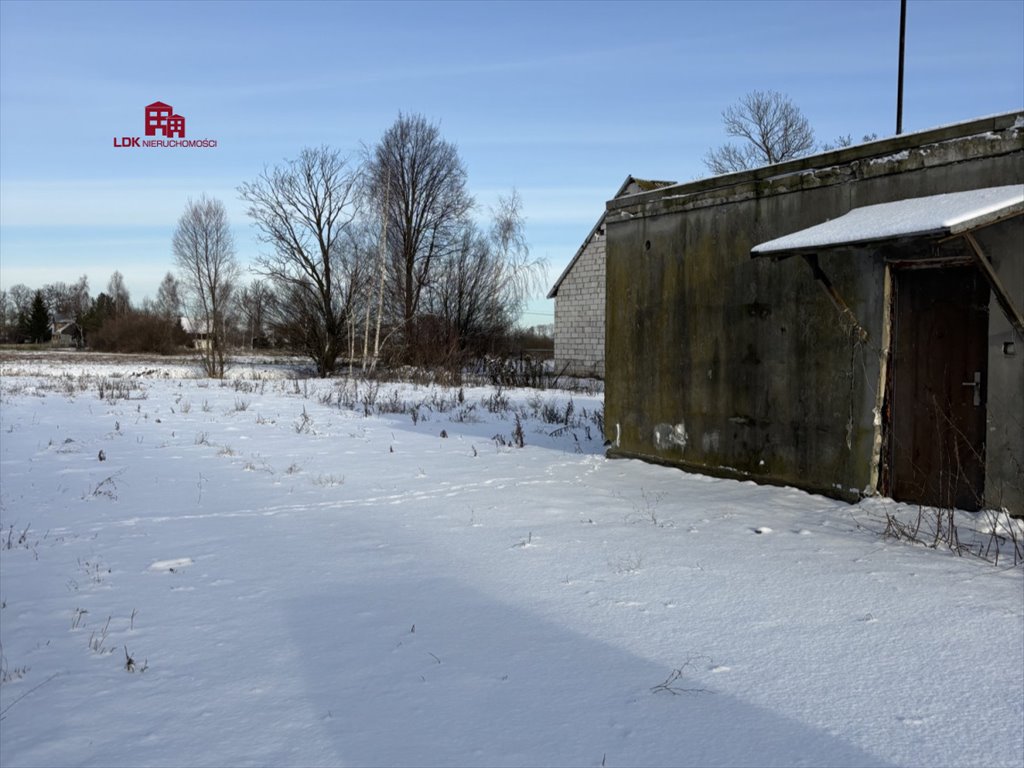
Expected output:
(65, 333)
(579, 295)
(850, 323)
(198, 333)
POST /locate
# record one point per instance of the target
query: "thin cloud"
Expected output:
(106, 203)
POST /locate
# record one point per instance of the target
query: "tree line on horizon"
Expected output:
(377, 259)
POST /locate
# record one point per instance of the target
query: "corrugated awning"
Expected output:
(934, 216)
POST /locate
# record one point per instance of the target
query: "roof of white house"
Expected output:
(932, 216)
(62, 324)
(194, 326)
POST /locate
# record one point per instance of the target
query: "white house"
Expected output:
(579, 295)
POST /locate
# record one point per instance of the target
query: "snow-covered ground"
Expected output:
(308, 572)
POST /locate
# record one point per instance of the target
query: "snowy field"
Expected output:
(273, 570)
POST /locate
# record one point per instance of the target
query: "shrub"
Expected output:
(138, 332)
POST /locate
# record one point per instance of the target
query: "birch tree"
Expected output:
(117, 291)
(204, 252)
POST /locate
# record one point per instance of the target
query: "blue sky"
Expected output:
(559, 100)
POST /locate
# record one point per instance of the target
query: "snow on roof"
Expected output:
(935, 215)
(188, 325)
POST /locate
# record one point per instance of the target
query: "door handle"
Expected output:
(977, 387)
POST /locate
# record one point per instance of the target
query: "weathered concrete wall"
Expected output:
(1004, 452)
(744, 367)
(579, 313)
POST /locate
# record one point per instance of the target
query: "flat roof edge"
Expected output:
(846, 155)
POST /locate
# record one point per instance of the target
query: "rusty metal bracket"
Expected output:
(1013, 313)
(837, 301)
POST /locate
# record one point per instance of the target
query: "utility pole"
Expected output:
(899, 87)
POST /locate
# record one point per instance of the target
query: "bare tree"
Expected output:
(168, 298)
(464, 301)
(772, 130)
(358, 264)
(5, 305)
(20, 297)
(118, 294)
(255, 303)
(846, 141)
(167, 309)
(204, 252)
(302, 210)
(486, 281)
(67, 302)
(17, 309)
(519, 276)
(80, 301)
(417, 179)
(57, 297)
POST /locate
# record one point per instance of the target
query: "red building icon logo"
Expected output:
(167, 127)
(161, 120)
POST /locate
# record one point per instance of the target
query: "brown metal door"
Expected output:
(939, 377)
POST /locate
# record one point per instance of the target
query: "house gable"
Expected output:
(579, 295)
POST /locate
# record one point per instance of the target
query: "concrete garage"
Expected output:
(848, 323)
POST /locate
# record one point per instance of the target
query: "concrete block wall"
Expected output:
(580, 313)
